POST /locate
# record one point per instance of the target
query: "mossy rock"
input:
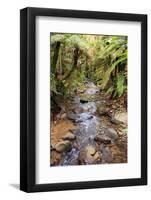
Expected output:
(103, 108)
(87, 97)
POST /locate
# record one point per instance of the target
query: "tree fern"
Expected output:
(107, 74)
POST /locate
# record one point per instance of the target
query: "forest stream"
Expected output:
(90, 129)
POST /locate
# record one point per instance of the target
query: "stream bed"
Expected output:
(98, 137)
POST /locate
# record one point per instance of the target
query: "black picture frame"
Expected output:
(28, 99)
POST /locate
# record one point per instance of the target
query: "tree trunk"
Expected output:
(59, 66)
(75, 57)
(55, 57)
(75, 62)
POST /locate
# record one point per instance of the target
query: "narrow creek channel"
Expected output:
(96, 142)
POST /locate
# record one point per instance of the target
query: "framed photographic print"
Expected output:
(83, 99)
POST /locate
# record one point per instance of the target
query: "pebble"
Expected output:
(69, 136)
(63, 146)
(88, 155)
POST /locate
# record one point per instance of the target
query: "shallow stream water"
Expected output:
(87, 122)
(85, 112)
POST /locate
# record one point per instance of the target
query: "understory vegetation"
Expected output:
(76, 58)
(88, 83)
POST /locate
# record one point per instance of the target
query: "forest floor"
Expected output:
(91, 128)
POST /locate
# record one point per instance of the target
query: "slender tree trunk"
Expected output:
(55, 57)
(59, 66)
(75, 57)
(75, 62)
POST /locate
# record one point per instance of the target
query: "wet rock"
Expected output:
(111, 133)
(69, 136)
(89, 107)
(72, 116)
(63, 146)
(88, 155)
(85, 98)
(106, 155)
(52, 147)
(106, 135)
(122, 117)
(102, 139)
(116, 121)
(103, 109)
(75, 131)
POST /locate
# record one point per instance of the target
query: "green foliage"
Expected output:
(75, 81)
(106, 76)
(112, 54)
(76, 41)
(75, 57)
(53, 84)
(57, 38)
(115, 46)
(119, 86)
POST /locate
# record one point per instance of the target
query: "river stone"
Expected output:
(69, 136)
(106, 134)
(52, 147)
(102, 108)
(116, 121)
(111, 133)
(85, 98)
(88, 155)
(91, 150)
(72, 116)
(122, 117)
(63, 146)
(102, 139)
(75, 130)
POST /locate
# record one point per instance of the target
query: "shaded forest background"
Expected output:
(76, 58)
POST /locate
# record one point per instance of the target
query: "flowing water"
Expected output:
(87, 122)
